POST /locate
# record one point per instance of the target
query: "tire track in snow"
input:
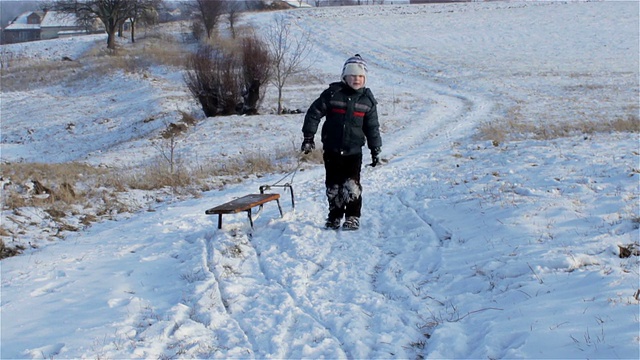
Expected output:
(265, 310)
(394, 262)
(377, 316)
(310, 268)
(301, 301)
(403, 259)
(197, 325)
(215, 293)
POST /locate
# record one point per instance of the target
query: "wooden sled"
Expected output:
(247, 203)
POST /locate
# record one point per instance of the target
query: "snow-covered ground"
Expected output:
(467, 249)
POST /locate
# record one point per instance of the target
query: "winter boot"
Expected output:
(352, 223)
(332, 224)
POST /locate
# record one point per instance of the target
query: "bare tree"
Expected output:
(210, 12)
(288, 50)
(143, 11)
(233, 13)
(112, 13)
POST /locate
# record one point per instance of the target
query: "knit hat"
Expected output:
(355, 65)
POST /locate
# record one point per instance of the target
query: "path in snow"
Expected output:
(298, 272)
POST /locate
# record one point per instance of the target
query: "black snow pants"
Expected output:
(344, 191)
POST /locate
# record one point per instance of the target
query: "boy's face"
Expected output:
(355, 81)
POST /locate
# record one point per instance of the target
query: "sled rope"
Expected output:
(291, 173)
(288, 185)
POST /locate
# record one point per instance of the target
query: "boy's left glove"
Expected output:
(375, 156)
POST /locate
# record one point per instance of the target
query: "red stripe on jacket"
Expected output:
(343, 111)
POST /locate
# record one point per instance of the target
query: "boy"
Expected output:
(351, 117)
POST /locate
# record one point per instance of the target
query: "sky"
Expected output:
(468, 247)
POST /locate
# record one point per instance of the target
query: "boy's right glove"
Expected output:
(307, 144)
(375, 156)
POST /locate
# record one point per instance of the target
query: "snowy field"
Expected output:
(467, 248)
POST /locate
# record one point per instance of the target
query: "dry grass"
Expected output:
(158, 175)
(55, 187)
(515, 129)
(142, 55)
(59, 187)
(57, 180)
(20, 73)
(93, 193)
(186, 177)
(43, 73)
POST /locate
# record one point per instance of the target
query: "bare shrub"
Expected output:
(229, 79)
(212, 79)
(256, 62)
(231, 92)
(6, 251)
(201, 82)
(173, 130)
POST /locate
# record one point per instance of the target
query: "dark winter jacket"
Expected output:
(351, 117)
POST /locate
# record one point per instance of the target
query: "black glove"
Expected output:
(307, 144)
(375, 156)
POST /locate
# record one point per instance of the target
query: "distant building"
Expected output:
(25, 27)
(296, 4)
(436, 1)
(285, 4)
(44, 25)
